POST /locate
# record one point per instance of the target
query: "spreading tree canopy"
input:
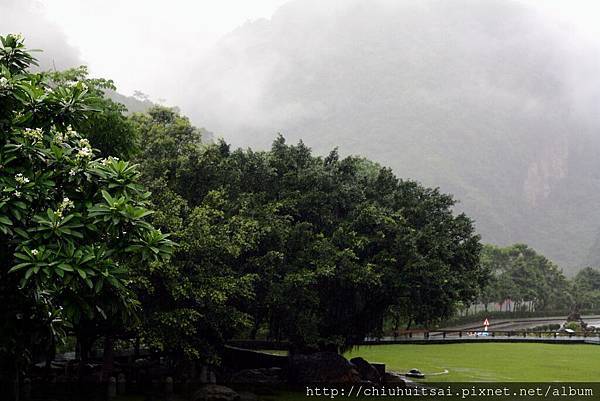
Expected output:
(310, 249)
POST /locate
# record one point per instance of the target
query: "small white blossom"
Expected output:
(20, 179)
(109, 160)
(35, 134)
(17, 194)
(84, 153)
(72, 172)
(80, 84)
(66, 204)
(60, 137)
(34, 252)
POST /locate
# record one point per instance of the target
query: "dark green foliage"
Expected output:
(108, 130)
(310, 249)
(521, 274)
(282, 243)
(71, 224)
(586, 288)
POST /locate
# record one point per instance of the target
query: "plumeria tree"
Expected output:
(71, 224)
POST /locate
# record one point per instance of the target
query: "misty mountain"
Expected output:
(489, 100)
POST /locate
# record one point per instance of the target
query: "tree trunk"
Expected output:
(136, 348)
(16, 389)
(255, 328)
(50, 355)
(108, 358)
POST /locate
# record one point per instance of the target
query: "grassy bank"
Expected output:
(490, 362)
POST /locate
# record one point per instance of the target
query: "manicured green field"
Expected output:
(499, 362)
(493, 362)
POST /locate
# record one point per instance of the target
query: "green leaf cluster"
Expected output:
(71, 223)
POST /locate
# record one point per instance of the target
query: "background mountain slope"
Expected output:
(489, 100)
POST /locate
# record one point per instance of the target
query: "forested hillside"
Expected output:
(491, 101)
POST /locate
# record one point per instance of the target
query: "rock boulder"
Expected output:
(322, 367)
(214, 392)
(366, 371)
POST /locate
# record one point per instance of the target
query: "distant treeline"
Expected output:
(533, 283)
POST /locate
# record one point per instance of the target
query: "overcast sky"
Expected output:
(141, 44)
(136, 42)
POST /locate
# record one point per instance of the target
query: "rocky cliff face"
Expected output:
(546, 171)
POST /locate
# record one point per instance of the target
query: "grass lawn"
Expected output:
(493, 362)
(499, 362)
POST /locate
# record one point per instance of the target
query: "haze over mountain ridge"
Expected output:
(491, 101)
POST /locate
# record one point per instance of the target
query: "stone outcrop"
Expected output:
(258, 376)
(214, 392)
(322, 367)
(366, 371)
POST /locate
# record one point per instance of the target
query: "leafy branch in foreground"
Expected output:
(72, 224)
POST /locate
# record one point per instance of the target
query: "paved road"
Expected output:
(526, 323)
(501, 326)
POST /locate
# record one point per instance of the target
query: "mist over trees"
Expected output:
(26, 17)
(489, 100)
(492, 101)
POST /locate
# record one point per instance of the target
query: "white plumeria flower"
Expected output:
(66, 204)
(20, 179)
(35, 134)
(84, 153)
